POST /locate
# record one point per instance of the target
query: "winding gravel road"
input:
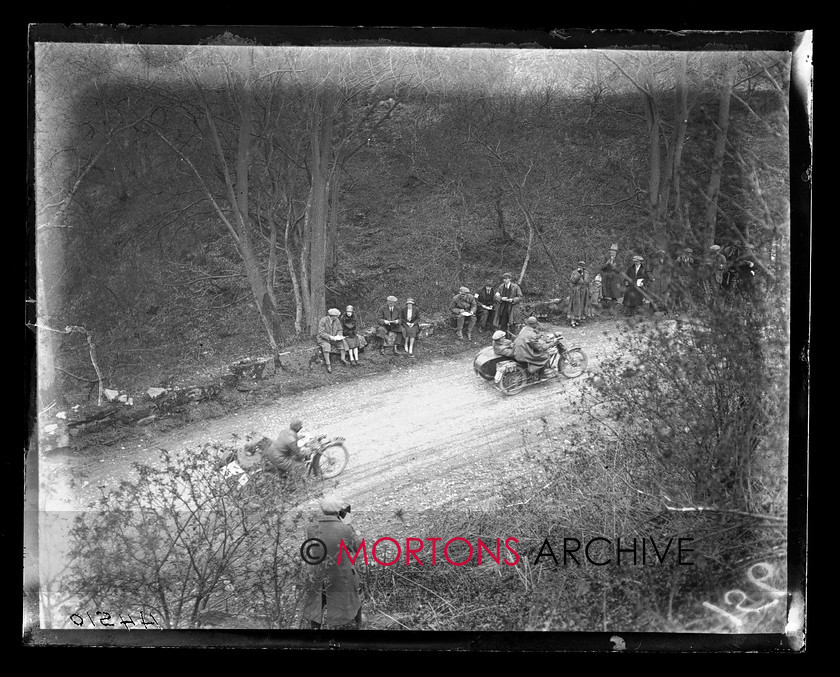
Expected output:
(428, 434)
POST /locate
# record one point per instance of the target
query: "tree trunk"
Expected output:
(290, 260)
(317, 212)
(332, 224)
(655, 170)
(717, 159)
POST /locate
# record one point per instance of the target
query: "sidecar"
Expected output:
(486, 361)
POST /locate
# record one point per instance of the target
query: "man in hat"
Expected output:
(463, 307)
(636, 279)
(331, 337)
(610, 278)
(410, 317)
(389, 325)
(485, 300)
(508, 295)
(332, 596)
(715, 265)
(528, 347)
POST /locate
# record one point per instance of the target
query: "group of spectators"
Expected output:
(670, 283)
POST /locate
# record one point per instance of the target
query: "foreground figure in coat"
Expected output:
(333, 597)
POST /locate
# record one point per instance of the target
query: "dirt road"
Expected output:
(429, 434)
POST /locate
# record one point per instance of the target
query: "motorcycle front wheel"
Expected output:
(573, 363)
(513, 381)
(331, 460)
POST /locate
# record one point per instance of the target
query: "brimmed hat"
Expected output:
(507, 275)
(638, 258)
(660, 252)
(332, 505)
(499, 335)
(391, 299)
(581, 263)
(613, 247)
(464, 290)
(714, 247)
(296, 424)
(335, 312)
(349, 309)
(409, 300)
(688, 250)
(531, 321)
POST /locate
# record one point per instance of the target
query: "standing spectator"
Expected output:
(351, 328)
(637, 277)
(594, 297)
(331, 337)
(660, 281)
(684, 273)
(410, 316)
(579, 295)
(508, 295)
(390, 325)
(485, 300)
(333, 596)
(611, 287)
(463, 307)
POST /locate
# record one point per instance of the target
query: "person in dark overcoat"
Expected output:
(636, 279)
(389, 322)
(611, 283)
(660, 281)
(410, 317)
(508, 297)
(486, 300)
(333, 597)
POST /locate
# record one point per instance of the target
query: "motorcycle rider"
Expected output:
(529, 348)
(284, 451)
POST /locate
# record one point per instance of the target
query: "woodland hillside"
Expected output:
(207, 203)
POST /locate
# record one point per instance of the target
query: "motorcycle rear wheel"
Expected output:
(513, 381)
(573, 363)
(331, 460)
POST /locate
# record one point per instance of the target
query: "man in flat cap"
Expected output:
(389, 325)
(508, 314)
(610, 278)
(463, 307)
(529, 347)
(331, 337)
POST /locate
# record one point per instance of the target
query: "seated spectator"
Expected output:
(410, 316)
(331, 337)
(389, 329)
(463, 307)
(486, 301)
(352, 336)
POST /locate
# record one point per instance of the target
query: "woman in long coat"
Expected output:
(611, 285)
(579, 296)
(333, 596)
(354, 340)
